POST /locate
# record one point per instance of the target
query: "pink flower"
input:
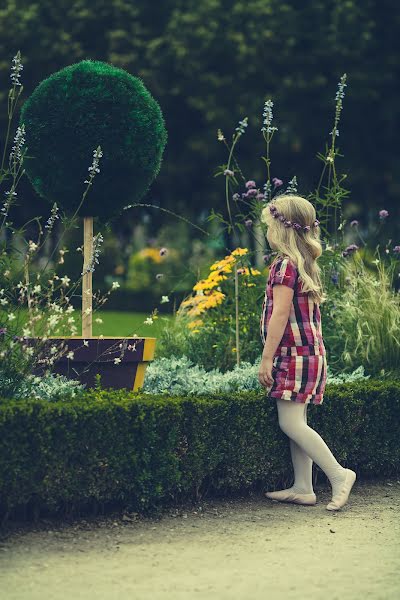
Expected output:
(277, 182)
(383, 214)
(354, 223)
(250, 184)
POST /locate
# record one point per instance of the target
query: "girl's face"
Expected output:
(270, 240)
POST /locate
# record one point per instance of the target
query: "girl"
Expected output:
(293, 365)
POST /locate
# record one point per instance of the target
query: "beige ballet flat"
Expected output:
(340, 499)
(282, 496)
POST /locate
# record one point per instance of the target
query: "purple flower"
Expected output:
(306, 227)
(250, 184)
(287, 223)
(266, 258)
(3, 330)
(354, 223)
(252, 193)
(349, 250)
(248, 223)
(229, 173)
(277, 182)
(335, 278)
(396, 249)
(383, 214)
(297, 226)
(260, 196)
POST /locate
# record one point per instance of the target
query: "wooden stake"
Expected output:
(87, 292)
(237, 316)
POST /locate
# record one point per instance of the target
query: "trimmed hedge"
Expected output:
(140, 451)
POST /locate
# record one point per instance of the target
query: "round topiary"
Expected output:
(77, 109)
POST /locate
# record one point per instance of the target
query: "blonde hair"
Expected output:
(302, 247)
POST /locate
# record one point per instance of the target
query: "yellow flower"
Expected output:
(151, 253)
(234, 349)
(240, 251)
(195, 323)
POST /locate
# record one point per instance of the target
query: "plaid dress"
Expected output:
(299, 364)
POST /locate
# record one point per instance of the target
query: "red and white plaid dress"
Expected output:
(299, 364)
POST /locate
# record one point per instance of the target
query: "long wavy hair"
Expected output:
(302, 247)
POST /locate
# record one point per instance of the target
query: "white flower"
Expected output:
(115, 285)
(101, 337)
(53, 349)
(53, 320)
(71, 320)
(70, 309)
(164, 299)
(65, 280)
(148, 321)
(117, 361)
(85, 343)
(32, 246)
(88, 310)
(26, 332)
(6, 273)
(98, 320)
(29, 351)
(70, 355)
(36, 289)
(3, 301)
(11, 317)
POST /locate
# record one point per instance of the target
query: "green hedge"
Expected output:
(141, 452)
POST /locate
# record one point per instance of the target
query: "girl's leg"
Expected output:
(291, 421)
(302, 465)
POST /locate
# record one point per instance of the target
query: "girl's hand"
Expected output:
(265, 372)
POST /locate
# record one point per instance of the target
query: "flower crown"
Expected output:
(287, 223)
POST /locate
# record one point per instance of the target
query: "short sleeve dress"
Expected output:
(299, 364)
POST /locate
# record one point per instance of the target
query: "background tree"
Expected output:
(211, 63)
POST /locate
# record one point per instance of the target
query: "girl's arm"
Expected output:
(283, 297)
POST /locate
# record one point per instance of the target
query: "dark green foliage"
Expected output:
(79, 108)
(213, 62)
(142, 451)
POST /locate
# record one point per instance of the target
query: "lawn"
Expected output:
(115, 323)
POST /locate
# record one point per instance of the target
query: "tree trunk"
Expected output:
(87, 292)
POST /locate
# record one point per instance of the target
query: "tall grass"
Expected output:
(367, 318)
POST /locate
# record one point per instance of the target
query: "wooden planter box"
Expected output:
(98, 357)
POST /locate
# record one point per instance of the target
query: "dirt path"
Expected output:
(249, 548)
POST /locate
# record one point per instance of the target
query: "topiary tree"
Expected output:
(89, 105)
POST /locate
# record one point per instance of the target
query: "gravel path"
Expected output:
(246, 548)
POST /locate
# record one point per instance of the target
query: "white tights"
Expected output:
(306, 446)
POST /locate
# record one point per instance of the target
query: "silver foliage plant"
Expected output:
(180, 376)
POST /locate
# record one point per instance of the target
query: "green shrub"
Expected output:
(141, 451)
(75, 110)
